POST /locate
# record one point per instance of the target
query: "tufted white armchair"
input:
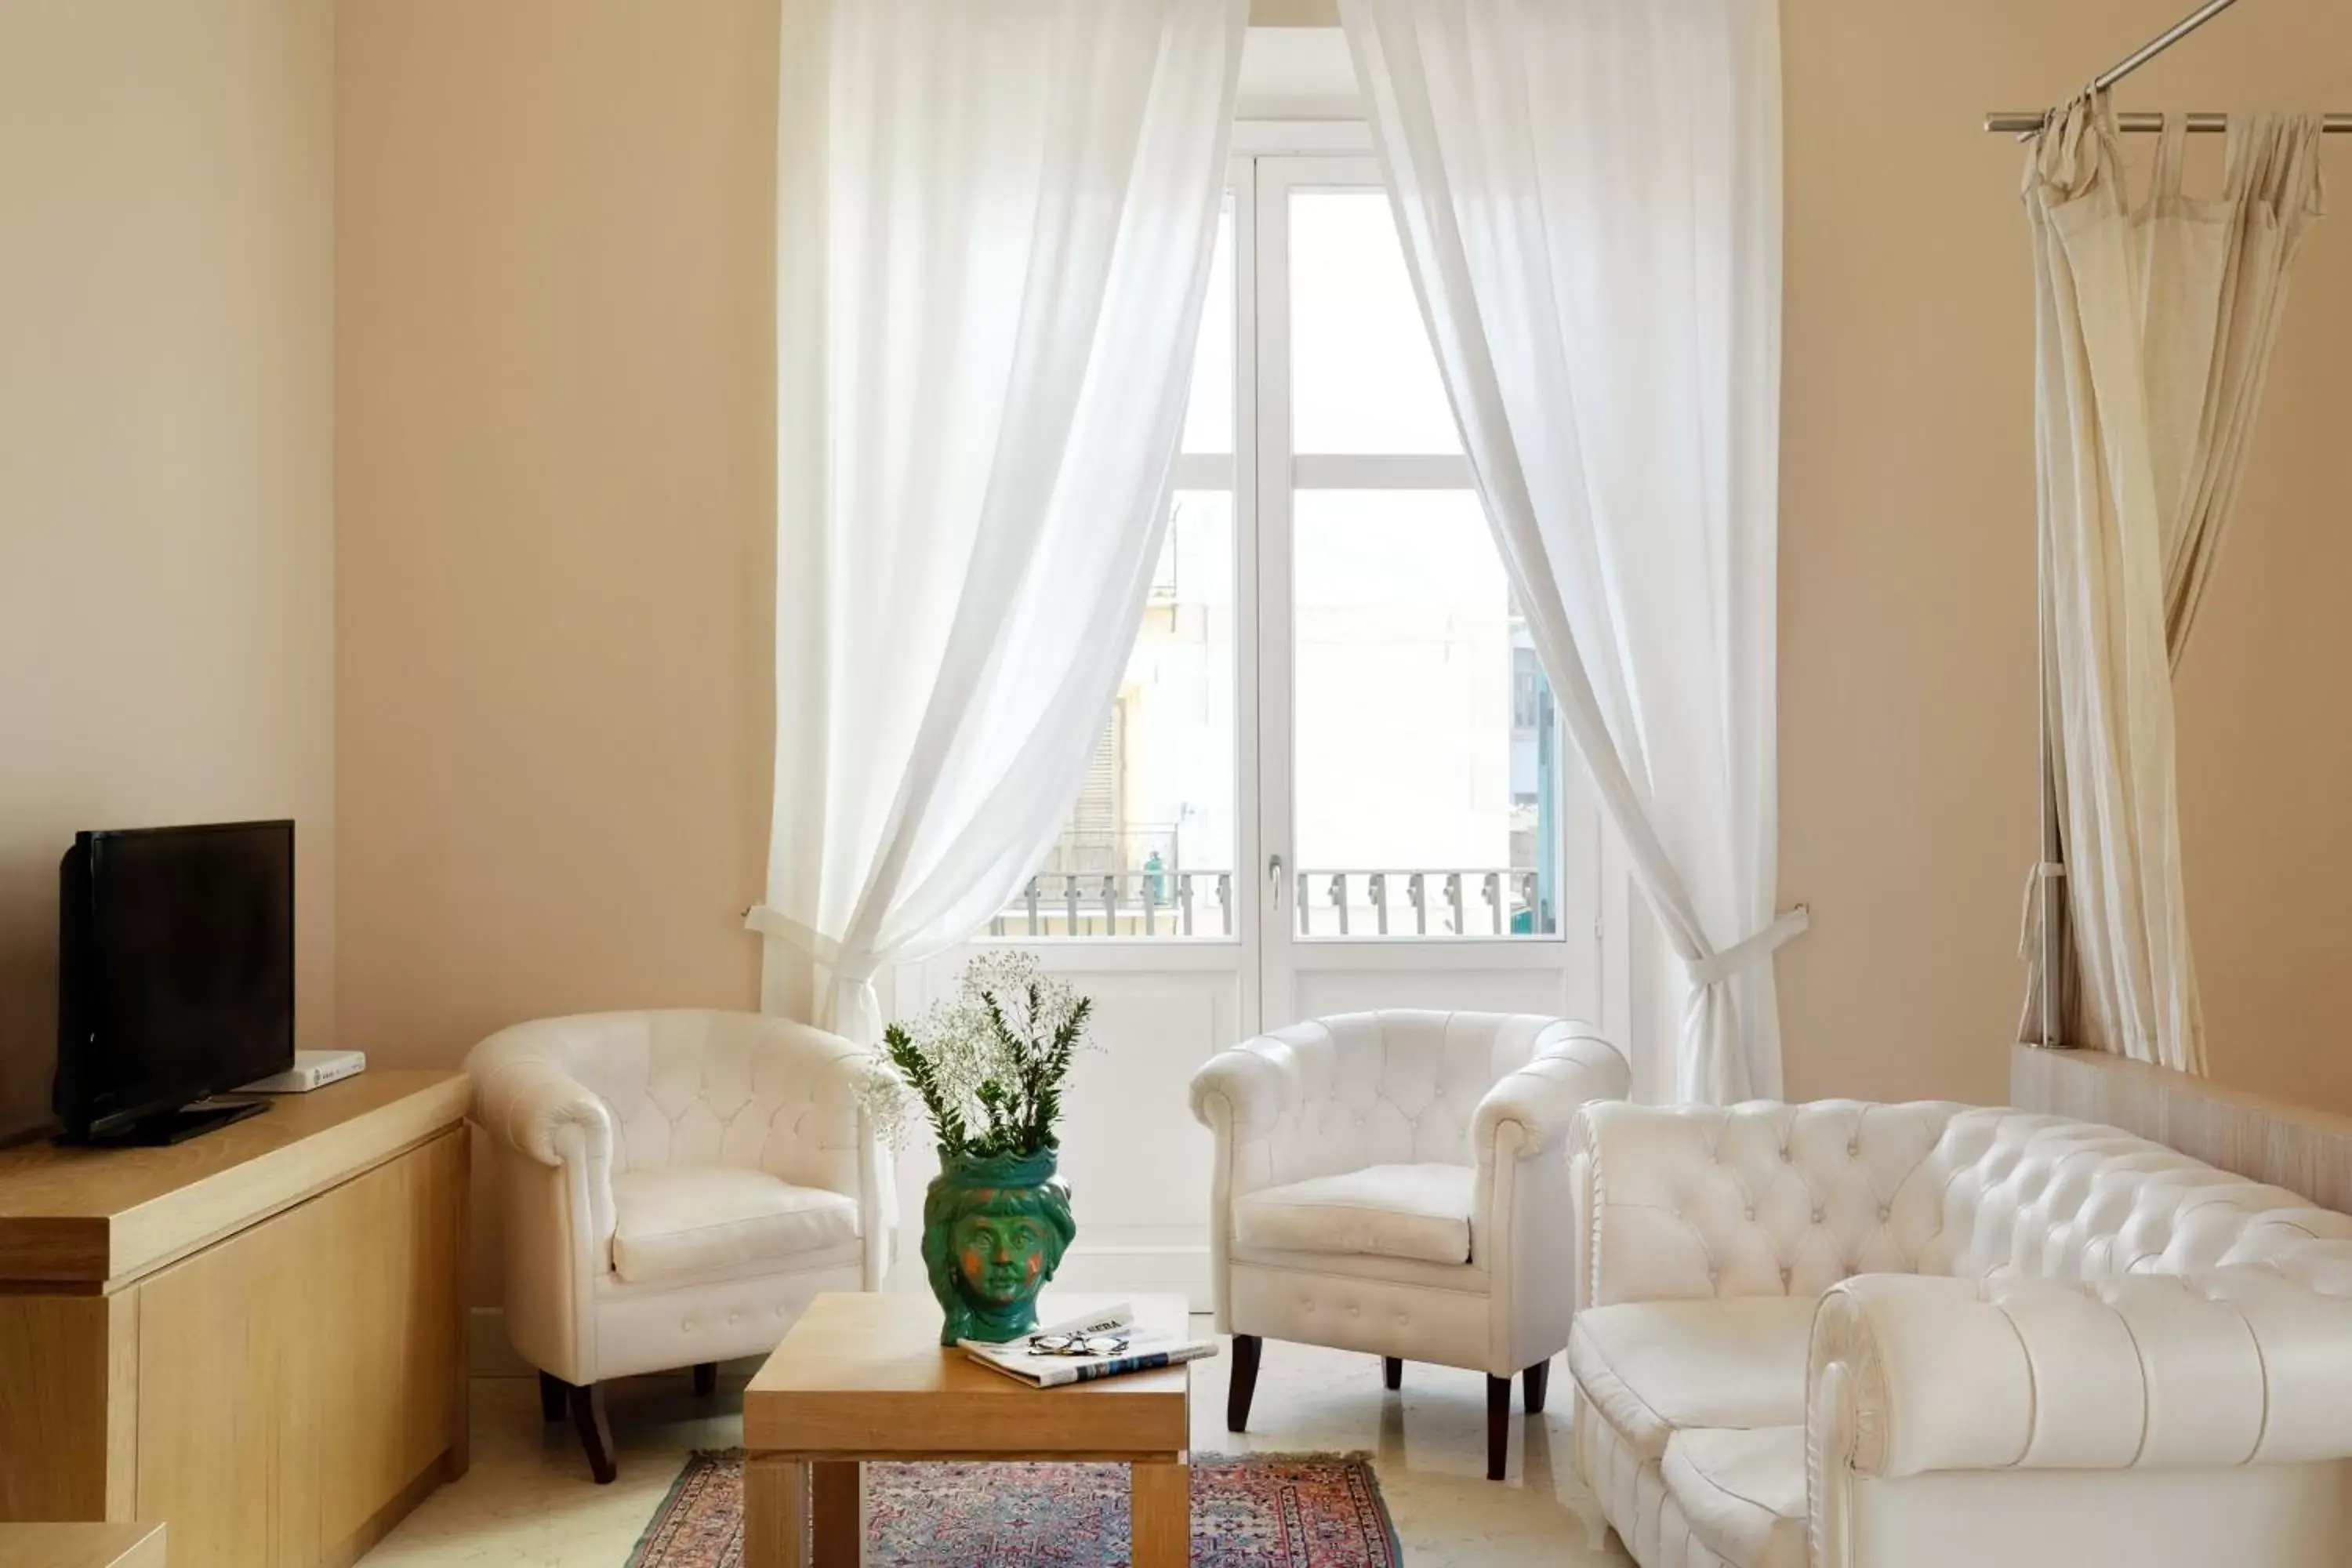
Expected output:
(674, 1187)
(1397, 1183)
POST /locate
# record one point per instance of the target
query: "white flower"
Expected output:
(957, 1039)
(890, 1107)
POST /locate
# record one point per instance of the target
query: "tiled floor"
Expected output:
(528, 1500)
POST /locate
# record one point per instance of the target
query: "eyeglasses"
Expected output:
(1076, 1344)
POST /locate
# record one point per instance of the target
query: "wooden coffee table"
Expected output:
(865, 1377)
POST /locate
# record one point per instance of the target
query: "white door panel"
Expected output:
(1427, 842)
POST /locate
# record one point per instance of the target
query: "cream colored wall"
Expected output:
(1907, 643)
(166, 524)
(555, 509)
(555, 497)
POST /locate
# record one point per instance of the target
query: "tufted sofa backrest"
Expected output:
(1388, 1088)
(688, 1089)
(1772, 1199)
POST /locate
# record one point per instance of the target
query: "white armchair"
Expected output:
(676, 1186)
(1397, 1183)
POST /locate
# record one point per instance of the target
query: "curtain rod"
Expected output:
(2026, 124)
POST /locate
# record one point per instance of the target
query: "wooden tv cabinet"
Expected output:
(256, 1337)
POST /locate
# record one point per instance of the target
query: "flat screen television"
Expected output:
(175, 976)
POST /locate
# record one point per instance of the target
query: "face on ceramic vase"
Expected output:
(1000, 1258)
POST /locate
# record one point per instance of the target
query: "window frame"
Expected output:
(1262, 476)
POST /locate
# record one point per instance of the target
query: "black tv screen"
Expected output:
(177, 973)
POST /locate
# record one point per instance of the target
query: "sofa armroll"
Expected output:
(526, 1102)
(2237, 1367)
(1570, 1067)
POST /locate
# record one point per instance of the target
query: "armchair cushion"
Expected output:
(1652, 1368)
(1742, 1493)
(1417, 1212)
(674, 1224)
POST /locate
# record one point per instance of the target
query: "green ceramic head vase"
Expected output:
(994, 1232)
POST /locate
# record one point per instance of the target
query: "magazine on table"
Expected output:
(1098, 1345)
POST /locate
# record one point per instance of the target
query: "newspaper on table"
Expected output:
(1030, 1359)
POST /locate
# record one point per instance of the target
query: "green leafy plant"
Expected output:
(987, 1066)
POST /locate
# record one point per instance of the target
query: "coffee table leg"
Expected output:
(775, 1513)
(1161, 1500)
(840, 1526)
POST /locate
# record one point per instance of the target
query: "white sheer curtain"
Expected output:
(2154, 324)
(1590, 194)
(994, 227)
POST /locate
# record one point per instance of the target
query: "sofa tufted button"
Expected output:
(1852, 1147)
(686, 1326)
(1884, 1211)
(1751, 1211)
(1818, 1213)
(734, 1317)
(1786, 1275)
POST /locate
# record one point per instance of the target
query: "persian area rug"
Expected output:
(1256, 1511)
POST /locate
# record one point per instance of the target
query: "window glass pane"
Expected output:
(1149, 849)
(1364, 378)
(1209, 415)
(1425, 758)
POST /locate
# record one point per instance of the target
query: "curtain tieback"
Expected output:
(1749, 951)
(852, 967)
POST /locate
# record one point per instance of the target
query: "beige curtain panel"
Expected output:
(2154, 324)
(2214, 275)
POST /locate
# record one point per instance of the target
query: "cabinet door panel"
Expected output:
(208, 1399)
(380, 1356)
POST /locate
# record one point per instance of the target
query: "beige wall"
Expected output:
(166, 540)
(1906, 675)
(554, 501)
(555, 509)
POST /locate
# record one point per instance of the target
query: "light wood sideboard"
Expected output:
(256, 1337)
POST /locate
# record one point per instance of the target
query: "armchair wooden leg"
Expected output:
(705, 1378)
(1246, 1349)
(595, 1432)
(1538, 1379)
(553, 1395)
(1499, 1426)
(1392, 1371)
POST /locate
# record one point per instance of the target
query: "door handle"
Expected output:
(1274, 876)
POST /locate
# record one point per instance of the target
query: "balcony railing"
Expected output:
(1143, 902)
(1503, 902)
(1473, 902)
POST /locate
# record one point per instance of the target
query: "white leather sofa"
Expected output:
(1397, 1183)
(674, 1187)
(1928, 1336)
